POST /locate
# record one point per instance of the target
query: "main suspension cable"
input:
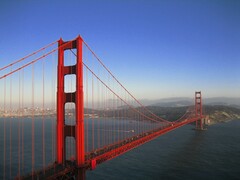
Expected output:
(98, 59)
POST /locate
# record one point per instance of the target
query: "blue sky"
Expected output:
(167, 48)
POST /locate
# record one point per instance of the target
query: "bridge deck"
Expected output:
(56, 171)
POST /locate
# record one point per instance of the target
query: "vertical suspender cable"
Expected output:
(52, 108)
(23, 120)
(118, 124)
(43, 118)
(86, 100)
(109, 112)
(104, 116)
(10, 140)
(33, 119)
(71, 118)
(19, 137)
(114, 114)
(98, 101)
(4, 133)
(92, 113)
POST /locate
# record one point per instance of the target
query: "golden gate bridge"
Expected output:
(58, 127)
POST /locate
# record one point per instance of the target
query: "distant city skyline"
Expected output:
(157, 49)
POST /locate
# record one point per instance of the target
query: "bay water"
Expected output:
(181, 154)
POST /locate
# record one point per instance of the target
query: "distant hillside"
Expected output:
(168, 113)
(216, 113)
(175, 103)
(184, 101)
(224, 101)
(169, 102)
(179, 102)
(220, 113)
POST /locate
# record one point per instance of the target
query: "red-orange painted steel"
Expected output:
(60, 104)
(112, 153)
(76, 97)
(93, 164)
(198, 110)
(135, 143)
(80, 155)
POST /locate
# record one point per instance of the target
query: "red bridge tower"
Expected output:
(76, 130)
(198, 110)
